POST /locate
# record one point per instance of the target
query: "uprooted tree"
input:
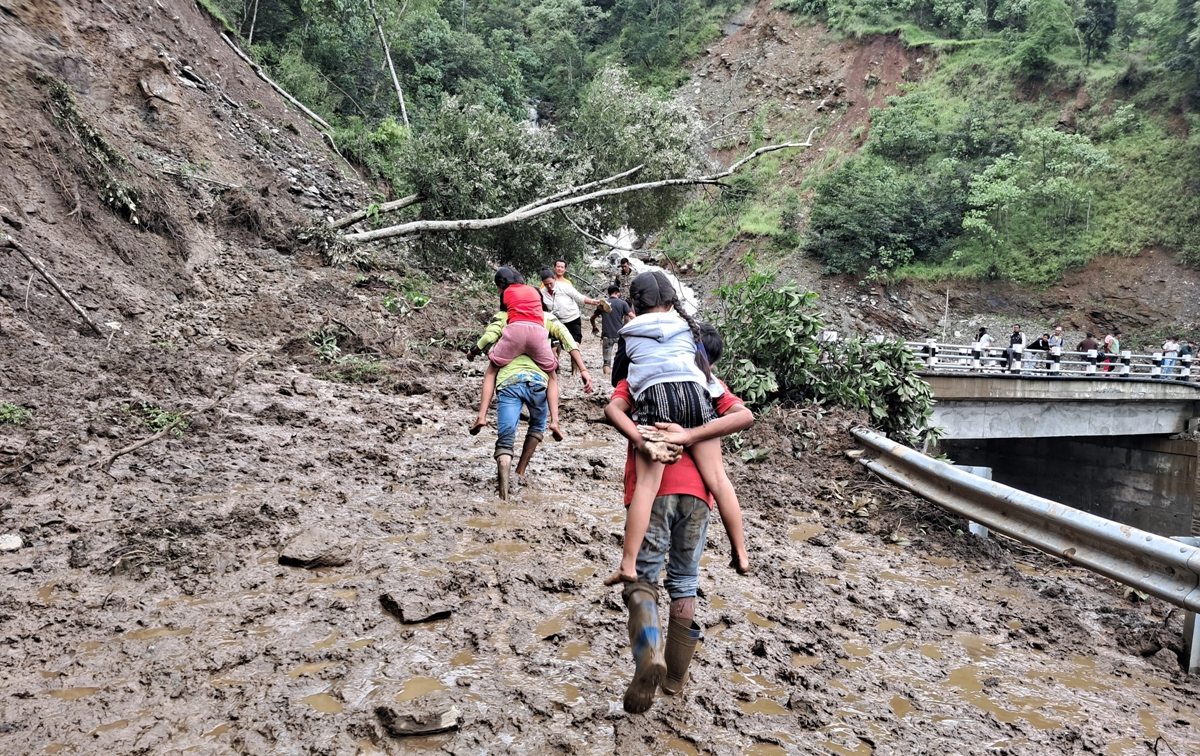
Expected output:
(480, 180)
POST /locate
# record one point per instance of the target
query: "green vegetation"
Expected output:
(158, 419)
(1049, 132)
(12, 414)
(773, 352)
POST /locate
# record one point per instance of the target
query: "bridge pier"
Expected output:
(1147, 481)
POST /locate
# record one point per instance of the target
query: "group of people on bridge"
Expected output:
(1045, 352)
(671, 410)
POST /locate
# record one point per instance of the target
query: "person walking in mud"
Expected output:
(675, 539)
(522, 384)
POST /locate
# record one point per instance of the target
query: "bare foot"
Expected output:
(620, 577)
(555, 432)
(478, 426)
(740, 563)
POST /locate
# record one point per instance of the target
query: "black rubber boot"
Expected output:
(682, 637)
(646, 641)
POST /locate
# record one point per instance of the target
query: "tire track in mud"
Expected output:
(843, 641)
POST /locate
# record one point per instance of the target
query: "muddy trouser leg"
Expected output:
(689, 532)
(641, 599)
(532, 439)
(509, 401)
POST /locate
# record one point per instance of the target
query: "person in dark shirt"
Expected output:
(1088, 344)
(1042, 345)
(617, 316)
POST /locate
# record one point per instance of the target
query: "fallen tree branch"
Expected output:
(541, 207)
(8, 241)
(578, 189)
(262, 75)
(107, 464)
(386, 207)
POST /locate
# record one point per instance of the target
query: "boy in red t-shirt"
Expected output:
(676, 535)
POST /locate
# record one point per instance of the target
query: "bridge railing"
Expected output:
(1054, 362)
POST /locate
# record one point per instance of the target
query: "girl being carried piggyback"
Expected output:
(670, 382)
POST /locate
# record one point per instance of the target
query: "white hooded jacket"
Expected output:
(661, 349)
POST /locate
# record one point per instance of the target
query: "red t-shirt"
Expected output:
(524, 304)
(682, 477)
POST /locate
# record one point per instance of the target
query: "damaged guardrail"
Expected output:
(1153, 564)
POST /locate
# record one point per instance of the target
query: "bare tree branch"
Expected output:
(596, 239)
(386, 207)
(578, 189)
(541, 207)
(262, 75)
(387, 54)
(8, 241)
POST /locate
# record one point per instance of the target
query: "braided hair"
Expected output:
(653, 289)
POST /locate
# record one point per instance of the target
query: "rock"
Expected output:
(425, 716)
(315, 547)
(10, 542)
(411, 608)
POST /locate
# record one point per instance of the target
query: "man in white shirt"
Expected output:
(564, 299)
(1170, 350)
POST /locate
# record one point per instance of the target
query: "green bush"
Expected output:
(773, 352)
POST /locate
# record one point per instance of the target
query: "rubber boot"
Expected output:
(532, 439)
(503, 469)
(646, 641)
(682, 637)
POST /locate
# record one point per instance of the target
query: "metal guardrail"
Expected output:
(1055, 362)
(1154, 564)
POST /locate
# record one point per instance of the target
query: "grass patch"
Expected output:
(157, 419)
(11, 414)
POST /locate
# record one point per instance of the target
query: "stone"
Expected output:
(412, 608)
(313, 548)
(427, 715)
(11, 542)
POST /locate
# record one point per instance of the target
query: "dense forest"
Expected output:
(974, 171)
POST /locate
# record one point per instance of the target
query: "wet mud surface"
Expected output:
(149, 611)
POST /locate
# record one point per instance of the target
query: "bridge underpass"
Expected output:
(1100, 444)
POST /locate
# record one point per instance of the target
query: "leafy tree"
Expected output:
(1096, 26)
(906, 131)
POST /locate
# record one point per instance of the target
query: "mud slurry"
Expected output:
(842, 642)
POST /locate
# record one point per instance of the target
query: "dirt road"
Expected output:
(149, 611)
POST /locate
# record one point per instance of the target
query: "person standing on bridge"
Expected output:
(1112, 349)
(1016, 339)
(1057, 339)
(985, 341)
(1170, 349)
(1088, 344)
(1041, 344)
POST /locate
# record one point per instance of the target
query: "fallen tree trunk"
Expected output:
(543, 206)
(386, 207)
(8, 241)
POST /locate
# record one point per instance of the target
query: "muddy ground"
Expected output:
(149, 611)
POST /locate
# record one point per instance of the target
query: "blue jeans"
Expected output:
(509, 401)
(1168, 363)
(677, 532)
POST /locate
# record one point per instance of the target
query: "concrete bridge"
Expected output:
(1102, 442)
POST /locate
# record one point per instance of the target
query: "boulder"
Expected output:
(427, 715)
(315, 547)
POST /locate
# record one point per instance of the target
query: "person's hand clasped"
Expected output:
(655, 446)
(672, 433)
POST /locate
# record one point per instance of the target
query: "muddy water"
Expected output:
(857, 648)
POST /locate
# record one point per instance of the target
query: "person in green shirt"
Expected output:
(521, 383)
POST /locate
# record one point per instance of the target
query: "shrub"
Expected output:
(14, 415)
(773, 352)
